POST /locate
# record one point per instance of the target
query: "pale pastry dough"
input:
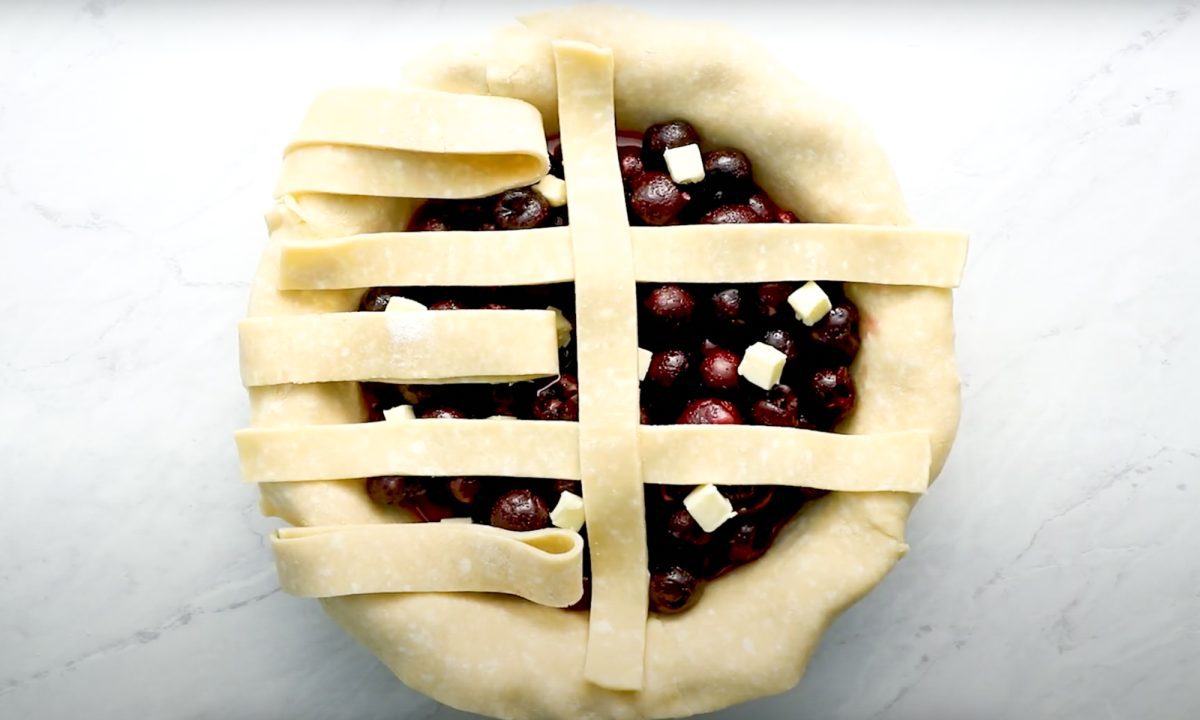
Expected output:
(671, 455)
(414, 143)
(812, 156)
(684, 253)
(800, 251)
(606, 330)
(513, 257)
(433, 346)
(544, 566)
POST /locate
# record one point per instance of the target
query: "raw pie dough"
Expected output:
(751, 632)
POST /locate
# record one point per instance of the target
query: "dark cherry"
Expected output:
(556, 161)
(674, 493)
(559, 400)
(684, 528)
(520, 510)
(630, 158)
(772, 299)
(663, 136)
(668, 369)
(656, 199)
(433, 216)
(730, 215)
(465, 489)
(748, 499)
(450, 304)
(787, 216)
(749, 541)
(710, 411)
(520, 209)
(729, 308)
(673, 589)
(780, 408)
(718, 370)
(670, 307)
(728, 168)
(643, 416)
(561, 486)
(837, 333)
(782, 341)
(510, 400)
(495, 306)
(376, 299)
(834, 390)
(442, 413)
(387, 490)
(763, 206)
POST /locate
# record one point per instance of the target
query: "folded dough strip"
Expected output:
(606, 332)
(880, 254)
(415, 143)
(671, 455)
(544, 566)
(426, 347)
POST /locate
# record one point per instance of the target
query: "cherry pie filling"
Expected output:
(696, 335)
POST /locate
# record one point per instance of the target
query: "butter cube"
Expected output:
(644, 357)
(685, 164)
(399, 304)
(400, 412)
(762, 365)
(461, 520)
(568, 513)
(562, 326)
(810, 303)
(710, 508)
(554, 189)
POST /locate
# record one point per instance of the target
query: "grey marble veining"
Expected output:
(1054, 567)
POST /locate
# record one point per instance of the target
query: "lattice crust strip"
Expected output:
(414, 143)
(671, 455)
(422, 346)
(606, 339)
(544, 566)
(878, 254)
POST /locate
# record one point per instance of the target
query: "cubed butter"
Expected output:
(554, 189)
(810, 303)
(710, 508)
(644, 357)
(399, 304)
(568, 513)
(762, 365)
(685, 164)
(400, 412)
(462, 520)
(562, 326)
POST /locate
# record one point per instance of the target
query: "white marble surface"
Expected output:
(1054, 567)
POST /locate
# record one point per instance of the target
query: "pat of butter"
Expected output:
(400, 412)
(685, 164)
(464, 521)
(810, 303)
(568, 513)
(644, 357)
(399, 304)
(762, 365)
(554, 189)
(710, 508)
(562, 326)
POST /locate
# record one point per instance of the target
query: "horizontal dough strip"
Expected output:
(513, 257)
(421, 346)
(671, 454)
(880, 254)
(414, 143)
(544, 566)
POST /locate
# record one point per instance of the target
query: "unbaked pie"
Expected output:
(596, 368)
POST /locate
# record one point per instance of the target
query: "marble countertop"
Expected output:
(1053, 571)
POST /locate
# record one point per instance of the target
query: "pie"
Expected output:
(596, 368)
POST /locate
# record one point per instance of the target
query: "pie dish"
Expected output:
(470, 613)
